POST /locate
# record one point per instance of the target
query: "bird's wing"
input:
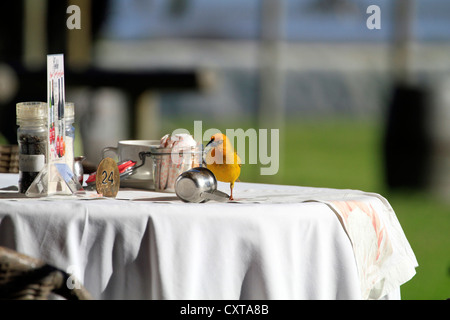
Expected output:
(238, 159)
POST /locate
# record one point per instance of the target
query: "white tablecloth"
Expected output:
(274, 242)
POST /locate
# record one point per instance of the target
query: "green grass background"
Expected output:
(347, 153)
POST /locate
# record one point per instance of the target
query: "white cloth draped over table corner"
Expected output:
(384, 257)
(384, 262)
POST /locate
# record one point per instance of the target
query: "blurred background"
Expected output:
(356, 108)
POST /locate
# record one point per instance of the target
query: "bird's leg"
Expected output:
(231, 188)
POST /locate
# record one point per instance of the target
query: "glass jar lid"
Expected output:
(32, 110)
(69, 110)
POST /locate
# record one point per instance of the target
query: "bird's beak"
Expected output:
(213, 143)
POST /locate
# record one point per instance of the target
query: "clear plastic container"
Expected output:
(168, 164)
(32, 140)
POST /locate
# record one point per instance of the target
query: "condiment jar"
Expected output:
(31, 118)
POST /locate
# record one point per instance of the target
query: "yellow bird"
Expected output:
(223, 160)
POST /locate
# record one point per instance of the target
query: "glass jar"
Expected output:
(31, 118)
(69, 118)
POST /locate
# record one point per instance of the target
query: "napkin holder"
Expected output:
(55, 178)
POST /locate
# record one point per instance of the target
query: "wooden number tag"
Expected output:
(107, 178)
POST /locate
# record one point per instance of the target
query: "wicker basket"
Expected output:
(26, 278)
(9, 159)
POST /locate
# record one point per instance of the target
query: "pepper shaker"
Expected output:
(31, 118)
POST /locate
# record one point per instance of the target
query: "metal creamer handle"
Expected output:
(107, 149)
(215, 195)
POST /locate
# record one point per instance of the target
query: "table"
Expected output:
(273, 242)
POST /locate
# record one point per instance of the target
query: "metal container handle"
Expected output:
(107, 149)
(215, 195)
